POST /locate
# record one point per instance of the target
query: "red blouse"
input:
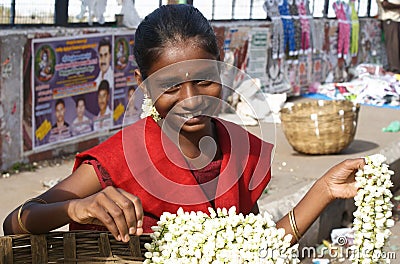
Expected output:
(135, 160)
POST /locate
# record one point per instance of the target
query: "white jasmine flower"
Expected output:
(372, 217)
(148, 109)
(221, 237)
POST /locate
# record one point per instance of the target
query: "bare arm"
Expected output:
(80, 198)
(338, 182)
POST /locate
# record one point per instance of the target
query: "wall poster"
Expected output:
(72, 87)
(127, 97)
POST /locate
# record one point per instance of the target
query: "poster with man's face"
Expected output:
(128, 98)
(72, 88)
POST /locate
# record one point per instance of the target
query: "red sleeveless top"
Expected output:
(141, 160)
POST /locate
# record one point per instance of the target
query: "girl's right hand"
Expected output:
(121, 212)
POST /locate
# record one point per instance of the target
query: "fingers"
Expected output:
(354, 164)
(119, 211)
(116, 221)
(133, 211)
(126, 211)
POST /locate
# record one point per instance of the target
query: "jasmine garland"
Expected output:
(221, 237)
(372, 218)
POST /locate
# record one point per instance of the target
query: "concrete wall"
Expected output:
(11, 98)
(16, 97)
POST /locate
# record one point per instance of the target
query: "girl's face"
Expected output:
(184, 84)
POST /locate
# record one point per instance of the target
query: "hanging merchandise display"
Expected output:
(289, 42)
(277, 37)
(343, 41)
(305, 27)
(294, 12)
(257, 53)
(355, 29)
(317, 69)
(318, 35)
(292, 73)
(370, 50)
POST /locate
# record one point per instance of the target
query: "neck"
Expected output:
(198, 148)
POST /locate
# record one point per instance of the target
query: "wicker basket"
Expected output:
(320, 127)
(71, 247)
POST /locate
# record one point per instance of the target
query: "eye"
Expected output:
(166, 85)
(170, 88)
(204, 83)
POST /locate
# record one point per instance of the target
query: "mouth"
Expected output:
(192, 118)
(188, 116)
(196, 117)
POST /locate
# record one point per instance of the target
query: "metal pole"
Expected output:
(213, 10)
(233, 9)
(61, 13)
(251, 8)
(326, 8)
(369, 8)
(12, 12)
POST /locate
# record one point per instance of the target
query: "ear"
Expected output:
(139, 80)
(138, 77)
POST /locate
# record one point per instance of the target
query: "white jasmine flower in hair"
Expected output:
(148, 109)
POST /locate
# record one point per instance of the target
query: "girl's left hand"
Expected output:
(340, 179)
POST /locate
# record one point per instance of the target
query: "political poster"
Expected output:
(128, 97)
(72, 87)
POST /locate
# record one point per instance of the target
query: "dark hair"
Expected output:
(80, 99)
(59, 101)
(167, 25)
(105, 42)
(104, 85)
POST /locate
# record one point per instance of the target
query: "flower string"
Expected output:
(372, 218)
(221, 237)
(148, 109)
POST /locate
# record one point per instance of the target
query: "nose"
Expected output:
(190, 98)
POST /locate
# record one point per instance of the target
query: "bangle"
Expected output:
(21, 225)
(292, 221)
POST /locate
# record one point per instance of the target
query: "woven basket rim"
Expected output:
(311, 129)
(78, 246)
(312, 106)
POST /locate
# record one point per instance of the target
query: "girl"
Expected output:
(161, 164)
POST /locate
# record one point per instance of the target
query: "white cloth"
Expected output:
(385, 14)
(131, 17)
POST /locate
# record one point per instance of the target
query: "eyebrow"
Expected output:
(169, 79)
(198, 75)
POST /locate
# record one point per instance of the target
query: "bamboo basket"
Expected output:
(320, 127)
(71, 247)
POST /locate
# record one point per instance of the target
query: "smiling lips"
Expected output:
(191, 115)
